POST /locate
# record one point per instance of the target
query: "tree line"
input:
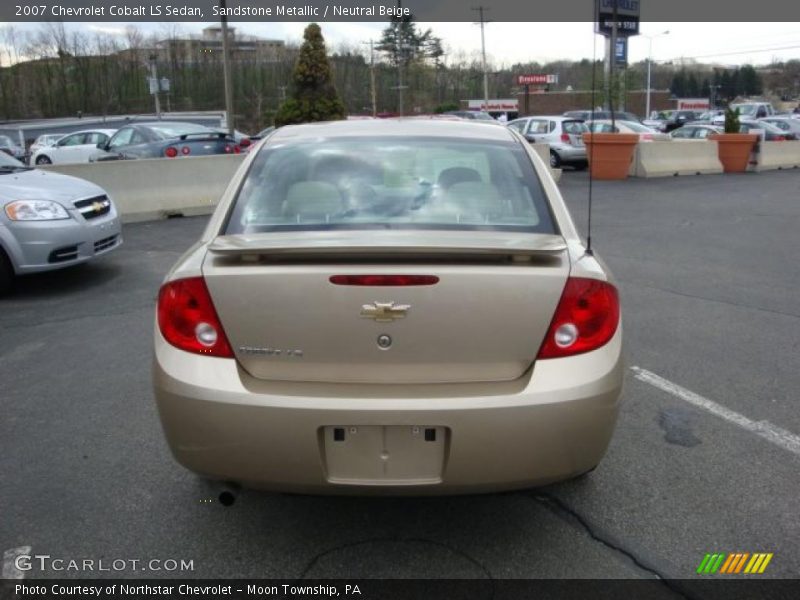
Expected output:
(55, 72)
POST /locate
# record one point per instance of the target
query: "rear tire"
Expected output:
(6, 274)
(555, 160)
(43, 160)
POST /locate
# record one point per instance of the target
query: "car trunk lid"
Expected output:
(483, 319)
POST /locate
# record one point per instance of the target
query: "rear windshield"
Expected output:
(391, 183)
(574, 127)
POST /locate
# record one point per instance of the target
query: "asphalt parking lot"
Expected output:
(705, 458)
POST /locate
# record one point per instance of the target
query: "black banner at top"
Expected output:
(535, 11)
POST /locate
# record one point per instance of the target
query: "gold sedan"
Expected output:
(398, 306)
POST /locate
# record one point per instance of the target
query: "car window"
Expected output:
(683, 133)
(637, 127)
(138, 138)
(781, 124)
(574, 127)
(173, 130)
(121, 138)
(6, 141)
(538, 126)
(702, 133)
(76, 139)
(96, 137)
(410, 183)
(518, 125)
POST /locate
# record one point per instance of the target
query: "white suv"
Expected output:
(563, 134)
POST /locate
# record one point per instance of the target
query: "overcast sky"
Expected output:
(508, 43)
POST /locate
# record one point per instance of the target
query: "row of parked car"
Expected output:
(564, 133)
(157, 139)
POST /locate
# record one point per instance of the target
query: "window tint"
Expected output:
(408, 183)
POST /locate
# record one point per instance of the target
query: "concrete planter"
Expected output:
(610, 154)
(734, 150)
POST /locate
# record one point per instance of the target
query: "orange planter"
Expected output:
(610, 154)
(734, 150)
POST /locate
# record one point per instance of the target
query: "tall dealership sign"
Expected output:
(616, 20)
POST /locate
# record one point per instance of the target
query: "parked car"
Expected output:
(646, 134)
(563, 134)
(74, 147)
(263, 133)
(694, 131)
(11, 148)
(787, 124)
(771, 132)
(708, 116)
(50, 221)
(342, 309)
(588, 115)
(46, 139)
(164, 139)
(748, 110)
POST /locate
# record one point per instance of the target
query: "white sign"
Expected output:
(496, 105)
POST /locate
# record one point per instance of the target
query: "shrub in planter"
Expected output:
(734, 148)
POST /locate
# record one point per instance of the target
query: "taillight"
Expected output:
(384, 280)
(586, 318)
(227, 149)
(237, 150)
(780, 138)
(245, 142)
(170, 152)
(186, 150)
(565, 138)
(187, 318)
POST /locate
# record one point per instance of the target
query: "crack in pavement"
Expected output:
(558, 506)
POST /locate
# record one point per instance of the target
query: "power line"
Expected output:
(736, 53)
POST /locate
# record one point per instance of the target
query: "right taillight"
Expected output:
(586, 318)
(565, 138)
(187, 318)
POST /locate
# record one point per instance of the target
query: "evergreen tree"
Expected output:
(313, 95)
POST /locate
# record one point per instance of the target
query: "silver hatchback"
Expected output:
(564, 135)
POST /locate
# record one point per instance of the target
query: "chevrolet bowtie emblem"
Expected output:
(384, 312)
(98, 207)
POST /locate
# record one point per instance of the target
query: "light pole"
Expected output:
(649, 63)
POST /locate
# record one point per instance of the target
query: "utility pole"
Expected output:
(226, 68)
(480, 10)
(373, 92)
(154, 84)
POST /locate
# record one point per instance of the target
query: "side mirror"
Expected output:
(102, 146)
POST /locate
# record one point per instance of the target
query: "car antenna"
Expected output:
(591, 148)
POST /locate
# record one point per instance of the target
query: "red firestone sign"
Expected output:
(537, 79)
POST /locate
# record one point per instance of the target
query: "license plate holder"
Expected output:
(384, 454)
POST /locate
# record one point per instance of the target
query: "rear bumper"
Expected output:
(569, 153)
(552, 424)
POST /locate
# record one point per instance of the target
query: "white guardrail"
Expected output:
(149, 189)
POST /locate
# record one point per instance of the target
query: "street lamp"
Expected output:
(649, 63)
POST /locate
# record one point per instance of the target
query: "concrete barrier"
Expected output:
(150, 189)
(668, 158)
(543, 150)
(777, 155)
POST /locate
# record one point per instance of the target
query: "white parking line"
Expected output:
(10, 570)
(772, 433)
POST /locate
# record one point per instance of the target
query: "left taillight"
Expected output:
(187, 318)
(586, 318)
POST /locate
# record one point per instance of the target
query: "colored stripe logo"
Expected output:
(734, 563)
